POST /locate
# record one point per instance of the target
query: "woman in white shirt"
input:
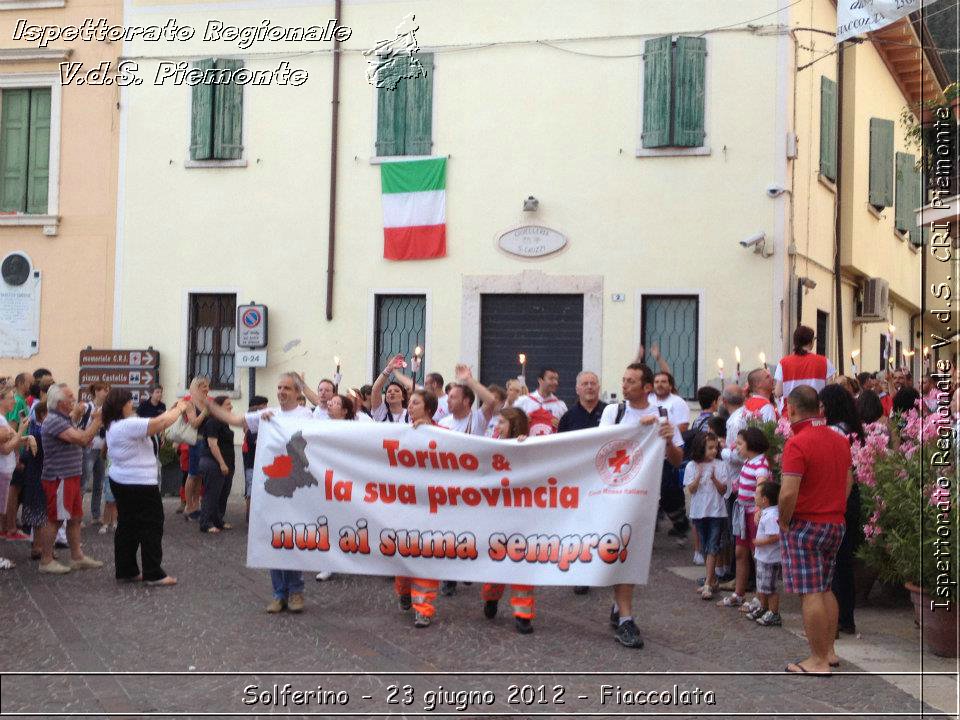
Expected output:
(133, 480)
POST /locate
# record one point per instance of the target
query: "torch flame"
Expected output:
(736, 353)
(523, 359)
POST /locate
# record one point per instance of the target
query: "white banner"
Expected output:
(387, 499)
(857, 17)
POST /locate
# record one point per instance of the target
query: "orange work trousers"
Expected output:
(422, 592)
(521, 598)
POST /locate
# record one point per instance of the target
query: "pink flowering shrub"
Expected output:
(903, 499)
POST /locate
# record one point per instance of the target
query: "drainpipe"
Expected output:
(334, 125)
(837, 283)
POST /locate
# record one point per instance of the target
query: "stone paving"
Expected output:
(214, 621)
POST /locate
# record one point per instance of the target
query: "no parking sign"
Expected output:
(251, 326)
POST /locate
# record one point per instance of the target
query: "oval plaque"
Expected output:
(531, 241)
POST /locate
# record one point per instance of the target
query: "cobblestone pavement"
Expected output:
(214, 621)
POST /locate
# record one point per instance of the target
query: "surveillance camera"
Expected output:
(754, 240)
(775, 191)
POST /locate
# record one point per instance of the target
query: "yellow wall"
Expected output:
(870, 245)
(516, 119)
(78, 263)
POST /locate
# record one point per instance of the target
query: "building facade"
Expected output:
(659, 164)
(58, 187)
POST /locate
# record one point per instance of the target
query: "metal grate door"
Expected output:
(211, 339)
(672, 322)
(400, 327)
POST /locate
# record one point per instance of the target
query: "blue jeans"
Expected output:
(286, 582)
(93, 475)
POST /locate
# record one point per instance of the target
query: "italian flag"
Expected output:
(414, 209)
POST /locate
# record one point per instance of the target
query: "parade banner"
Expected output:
(857, 17)
(388, 499)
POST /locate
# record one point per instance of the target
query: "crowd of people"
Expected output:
(751, 530)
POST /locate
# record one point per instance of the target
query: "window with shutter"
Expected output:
(25, 150)
(38, 169)
(881, 162)
(657, 89)
(828, 128)
(405, 107)
(689, 80)
(904, 192)
(228, 116)
(674, 92)
(14, 141)
(216, 118)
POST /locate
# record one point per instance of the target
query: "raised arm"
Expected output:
(661, 363)
(83, 437)
(307, 392)
(162, 422)
(376, 394)
(488, 401)
(223, 416)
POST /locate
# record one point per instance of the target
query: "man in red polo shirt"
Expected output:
(816, 481)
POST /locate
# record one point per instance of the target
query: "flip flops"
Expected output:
(801, 670)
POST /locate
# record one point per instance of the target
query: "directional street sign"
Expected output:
(119, 358)
(135, 370)
(118, 377)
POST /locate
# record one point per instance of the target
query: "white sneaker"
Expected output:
(698, 558)
(324, 575)
(62, 535)
(103, 529)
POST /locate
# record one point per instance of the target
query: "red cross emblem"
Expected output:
(619, 460)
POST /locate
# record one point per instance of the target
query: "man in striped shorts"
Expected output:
(817, 479)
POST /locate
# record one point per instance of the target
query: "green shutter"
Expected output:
(881, 162)
(391, 112)
(38, 170)
(201, 117)
(657, 81)
(228, 116)
(918, 235)
(689, 97)
(14, 141)
(418, 135)
(905, 195)
(828, 128)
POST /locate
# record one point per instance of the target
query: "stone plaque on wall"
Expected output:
(19, 307)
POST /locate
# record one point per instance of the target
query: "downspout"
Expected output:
(334, 126)
(837, 283)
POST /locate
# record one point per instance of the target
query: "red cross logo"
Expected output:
(619, 460)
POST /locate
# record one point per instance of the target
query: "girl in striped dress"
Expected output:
(752, 445)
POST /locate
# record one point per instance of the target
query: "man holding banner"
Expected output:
(637, 384)
(390, 499)
(287, 584)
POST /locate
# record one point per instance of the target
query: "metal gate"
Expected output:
(401, 323)
(211, 339)
(548, 329)
(672, 322)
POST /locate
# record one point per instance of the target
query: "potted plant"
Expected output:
(904, 504)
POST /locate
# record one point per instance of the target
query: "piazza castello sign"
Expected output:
(531, 241)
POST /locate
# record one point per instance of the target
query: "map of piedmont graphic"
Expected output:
(289, 472)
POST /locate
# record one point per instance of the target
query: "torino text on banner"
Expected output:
(388, 499)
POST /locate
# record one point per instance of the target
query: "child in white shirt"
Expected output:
(703, 479)
(766, 553)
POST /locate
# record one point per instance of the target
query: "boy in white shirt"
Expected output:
(766, 553)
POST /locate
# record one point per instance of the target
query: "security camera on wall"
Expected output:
(754, 240)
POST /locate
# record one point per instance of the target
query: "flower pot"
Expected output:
(939, 625)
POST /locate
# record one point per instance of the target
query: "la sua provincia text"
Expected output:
(127, 72)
